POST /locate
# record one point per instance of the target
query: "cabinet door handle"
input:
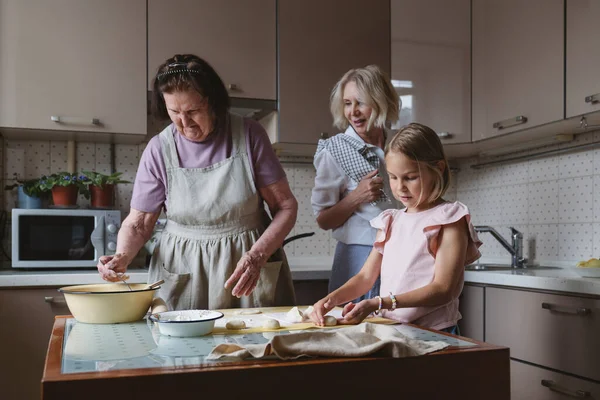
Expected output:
(444, 135)
(580, 394)
(74, 120)
(566, 310)
(55, 300)
(507, 123)
(593, 99)
(233, 87)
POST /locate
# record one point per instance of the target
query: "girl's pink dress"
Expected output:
(409, 243)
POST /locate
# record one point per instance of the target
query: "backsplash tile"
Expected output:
(558, 209)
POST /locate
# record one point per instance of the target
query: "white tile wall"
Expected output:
(554, 201)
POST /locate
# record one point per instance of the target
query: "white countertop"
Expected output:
(319, 268)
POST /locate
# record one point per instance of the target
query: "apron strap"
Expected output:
(169, 149)
(237, 133)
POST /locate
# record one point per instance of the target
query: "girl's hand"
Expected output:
(369, 188)
(355, 313)
(246, 274)
(321, 308)
(111, 268)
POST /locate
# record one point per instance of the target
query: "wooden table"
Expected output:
(477, 372)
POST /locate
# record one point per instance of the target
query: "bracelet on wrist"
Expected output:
(393, 299)
(380, 305)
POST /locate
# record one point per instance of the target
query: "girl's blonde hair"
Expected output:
(422, 145)
(375, 89)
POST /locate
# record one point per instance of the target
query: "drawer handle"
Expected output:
(55, 300)
(74, 120)
(593, 99)
(507, 123)
(566, 310)
(444, 135)
(580, 394)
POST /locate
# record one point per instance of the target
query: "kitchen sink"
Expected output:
(504, 267)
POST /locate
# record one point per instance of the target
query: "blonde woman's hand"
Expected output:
(355, 313)
(369, 188)
(246, 274)
(321, 308)
(111, 268)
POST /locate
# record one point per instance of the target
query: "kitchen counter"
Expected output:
(303, 268)
(135, 361)
(564, 280)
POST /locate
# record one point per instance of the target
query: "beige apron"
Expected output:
(214, 216)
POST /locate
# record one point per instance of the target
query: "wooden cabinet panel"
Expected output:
(518, 65)
(554, 331)
(76, 60)
(534, 383)
(471, 308)
(236, 37)
(583, 57)
(431, 65)
(27, 317)
(319, 41)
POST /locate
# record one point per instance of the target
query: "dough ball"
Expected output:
(294, 315)
(248, 312)
(307, 312)
(271, 324)
(330, 320)
(235, 324)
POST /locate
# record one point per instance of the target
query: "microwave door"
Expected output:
(97, 237)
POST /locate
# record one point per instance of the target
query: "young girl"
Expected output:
(420, 251)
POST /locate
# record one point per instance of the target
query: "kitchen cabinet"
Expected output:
(431, 65)
(583, 57)
(71, 65)
(471, 308)
(529, 382)
(236, 37)
(549, 330)
(517, 65)
(310, 291)
(319, 41)
(27, 317)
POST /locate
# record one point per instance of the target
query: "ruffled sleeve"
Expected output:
(383, 224)
(450, 213)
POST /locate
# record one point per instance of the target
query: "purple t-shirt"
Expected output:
(150, 186)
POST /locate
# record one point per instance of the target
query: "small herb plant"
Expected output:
(31, 187)
(99, 179)
(66, 179)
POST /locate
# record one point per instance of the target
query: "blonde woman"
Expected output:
(351, 184)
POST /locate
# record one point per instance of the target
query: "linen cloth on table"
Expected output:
(355, 341)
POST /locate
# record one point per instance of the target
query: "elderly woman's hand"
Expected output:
(369, 188)
(246, 273)
(112, 268)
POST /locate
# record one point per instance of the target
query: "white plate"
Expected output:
(186, 323)
(588, 272)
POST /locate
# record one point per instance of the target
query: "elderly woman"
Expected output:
(351, 183)
(210, 171)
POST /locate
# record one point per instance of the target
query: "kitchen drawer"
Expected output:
(555, 331)
(534, 383)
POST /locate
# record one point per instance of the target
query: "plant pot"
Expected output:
(102, 196)
(25, 201)
(65, 196)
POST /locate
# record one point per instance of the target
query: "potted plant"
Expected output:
(102, 187)
(65, 187)
(30, 193)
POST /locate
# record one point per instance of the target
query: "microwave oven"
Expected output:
(62, 238)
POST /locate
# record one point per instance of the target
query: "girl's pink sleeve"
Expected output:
(383, 224)
(449, 214)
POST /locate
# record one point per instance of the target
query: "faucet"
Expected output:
(515, 249)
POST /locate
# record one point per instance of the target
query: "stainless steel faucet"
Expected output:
(515, 249)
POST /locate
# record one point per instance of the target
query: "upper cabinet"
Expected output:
(73, 65)
(518, 65)
(431, 65)
(319, 41)
(236, 37)
(583, 57)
